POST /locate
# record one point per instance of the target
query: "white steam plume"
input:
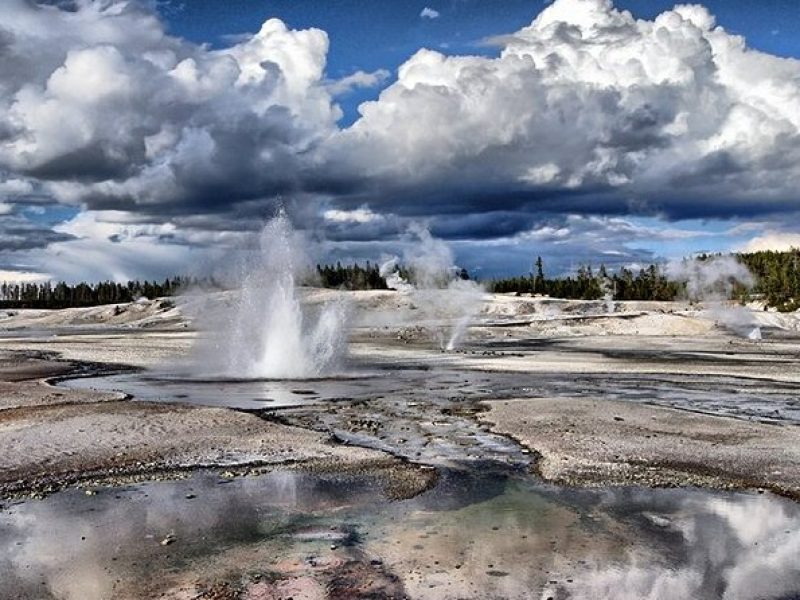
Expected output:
(445, 302)
(712, 280)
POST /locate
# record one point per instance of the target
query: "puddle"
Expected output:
(481, 533)
(740, 397)
(246, 394)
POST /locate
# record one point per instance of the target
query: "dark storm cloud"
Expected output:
(18, 233)
(106, 109)
(479, 226)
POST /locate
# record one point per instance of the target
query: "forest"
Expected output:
(776, 275)
(63, 295)
(350, 277)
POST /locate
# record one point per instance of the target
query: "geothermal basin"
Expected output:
(559, 451)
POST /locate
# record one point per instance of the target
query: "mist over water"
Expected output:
(268, 332)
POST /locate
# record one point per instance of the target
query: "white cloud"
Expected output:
(22, 276)
(103, 106)
(586, 110)
(662, 112)
(359, 79)
(102, 225)
(773, 240)
(359, 215)
(429, 13)
(541, 174)
(14, 187)
(113, 245)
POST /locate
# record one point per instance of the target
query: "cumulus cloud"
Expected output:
(429, 13)
(102, 245)
(104, 107)
(359, 215)
(588, 109)
(15, 188)
(778, 241)
(359, 79)
(18, 233)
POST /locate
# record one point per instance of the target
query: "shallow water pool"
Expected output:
(480, 533)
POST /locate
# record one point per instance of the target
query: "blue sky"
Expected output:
(149, 137)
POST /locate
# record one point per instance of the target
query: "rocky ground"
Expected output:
(51, 437)
(602, 442)
(49, 434)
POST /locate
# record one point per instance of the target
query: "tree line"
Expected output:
(776, 274)
(350, 277)
(777, 277)
(63, 295)
(356, 277)
(649, 283)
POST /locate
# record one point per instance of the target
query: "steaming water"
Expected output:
(608, 295)
(467, 296)
(713, 281)
(270, 335)
(739, 320)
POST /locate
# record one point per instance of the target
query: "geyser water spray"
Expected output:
(269, 333)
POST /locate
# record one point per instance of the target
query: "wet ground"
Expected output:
(742, 397)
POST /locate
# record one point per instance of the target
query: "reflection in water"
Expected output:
(130, 542)
(477, 535)
(728, 546)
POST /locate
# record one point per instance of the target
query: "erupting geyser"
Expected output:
(270, 334)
